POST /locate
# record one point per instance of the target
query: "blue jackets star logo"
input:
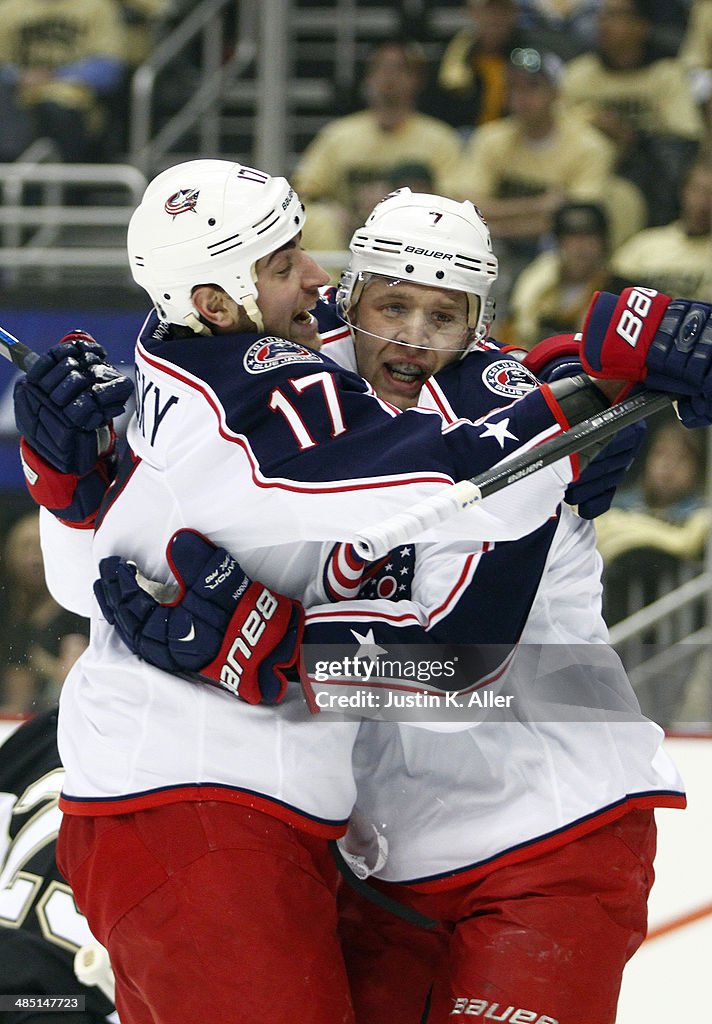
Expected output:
(368, 648)
(500, 431)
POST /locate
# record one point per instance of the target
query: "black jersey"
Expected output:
(40, 926)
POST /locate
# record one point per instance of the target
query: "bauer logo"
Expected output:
(508, 378)
(183, 201)
(433, 253)
(468, 1007)
(269, 353)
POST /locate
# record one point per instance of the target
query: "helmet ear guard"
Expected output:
(209, 221)
(424, 239)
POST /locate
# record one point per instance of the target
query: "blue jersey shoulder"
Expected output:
(485, 379)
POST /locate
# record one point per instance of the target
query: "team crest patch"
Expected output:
(183, 201)
(269, 353)
(508, 378)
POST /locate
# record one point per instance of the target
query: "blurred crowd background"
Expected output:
(582, 129)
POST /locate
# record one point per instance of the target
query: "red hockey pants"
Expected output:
(210, 912)
(540, 942)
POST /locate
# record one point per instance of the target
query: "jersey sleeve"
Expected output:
(69, 565)
(313, 455)
(363, 657)
(459, 608)
(288, 446)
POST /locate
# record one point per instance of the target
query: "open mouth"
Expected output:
(407, 373)
(304, 318)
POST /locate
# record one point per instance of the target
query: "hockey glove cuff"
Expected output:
(554, 358)
(216, 624)
(73, 499)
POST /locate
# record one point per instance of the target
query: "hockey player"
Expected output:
(244, 431)
(468, 833)
(182, 554)
(499, 833)
(40, 927)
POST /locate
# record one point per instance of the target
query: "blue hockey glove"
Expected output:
(694, 410)
(594, 490)
(217, 623)
(65, 404)
(642, 335)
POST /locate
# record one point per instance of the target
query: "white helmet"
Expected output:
(208, 222)
(424, 239)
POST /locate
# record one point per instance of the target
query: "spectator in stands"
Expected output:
(676, 258)
(520, 169)
(39, 641)
(140, 19)
(63, 58)
(652, 540)
(567, 27)
(670, 491)
(349, 165)
(471, 83)
(642, 102)
(552, 294)
(670, 20)
(696, 58)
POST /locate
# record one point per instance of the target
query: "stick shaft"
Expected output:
(377, 541)
(18, 353)
(578, 438)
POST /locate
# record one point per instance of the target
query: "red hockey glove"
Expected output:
(73, 499)
(642, 335)
(554, 358)
(233, 633)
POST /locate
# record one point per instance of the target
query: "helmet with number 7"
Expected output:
(424, 239)
(209, 222)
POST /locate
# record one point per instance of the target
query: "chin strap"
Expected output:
(193, 321)
(249, 304)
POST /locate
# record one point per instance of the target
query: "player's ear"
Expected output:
(213, 306)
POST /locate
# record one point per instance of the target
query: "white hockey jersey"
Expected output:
(270, 450)
(573, 749)
(453, 807)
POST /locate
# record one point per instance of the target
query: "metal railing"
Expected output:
(668, 635)
(676, 600)
(41, 201)
(147, 147)
(255, 90)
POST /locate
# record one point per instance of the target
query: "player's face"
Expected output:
(288, 283)
(404, 333)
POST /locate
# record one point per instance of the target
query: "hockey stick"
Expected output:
(405, 526)
(14, 350)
